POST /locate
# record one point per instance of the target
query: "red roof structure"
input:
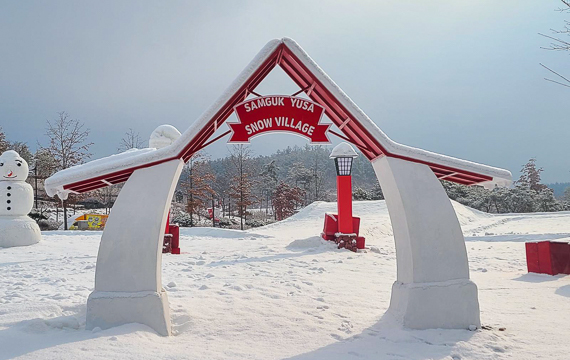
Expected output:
(353, 124)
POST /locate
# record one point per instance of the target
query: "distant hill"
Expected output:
(558, 188)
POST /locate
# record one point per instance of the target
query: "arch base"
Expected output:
(448, 304)
(432, 289)
(128, 282)
(114, 308)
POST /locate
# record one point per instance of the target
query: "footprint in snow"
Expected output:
(336, 337)
(346, 326)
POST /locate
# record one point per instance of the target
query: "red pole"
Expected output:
(344, 204)
(166, 230)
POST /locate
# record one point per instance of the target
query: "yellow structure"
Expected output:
(94, 222)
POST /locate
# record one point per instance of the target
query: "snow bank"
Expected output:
(261, 299)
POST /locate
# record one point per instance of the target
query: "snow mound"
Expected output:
(219, 233)
(231, 298)
(309, 243)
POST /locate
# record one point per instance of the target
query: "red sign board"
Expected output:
(270, 114)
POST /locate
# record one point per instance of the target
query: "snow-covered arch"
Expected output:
(432, 289)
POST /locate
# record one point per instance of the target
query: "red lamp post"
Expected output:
(343, 155)
(343, 228)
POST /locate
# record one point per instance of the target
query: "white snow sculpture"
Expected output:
(128, 285)
(16, 201)
(163, 136)
(432, 289)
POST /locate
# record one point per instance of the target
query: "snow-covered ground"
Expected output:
(280, 292)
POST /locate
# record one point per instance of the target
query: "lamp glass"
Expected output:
(343, 166)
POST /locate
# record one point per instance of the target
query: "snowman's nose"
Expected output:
(10, 173)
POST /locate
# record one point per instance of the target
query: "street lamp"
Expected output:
(343, 155)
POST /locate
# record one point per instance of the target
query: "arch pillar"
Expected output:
(128, 277)
(432, 289)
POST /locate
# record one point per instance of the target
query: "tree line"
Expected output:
(527, 195)
(252, 190)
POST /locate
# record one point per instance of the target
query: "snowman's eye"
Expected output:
(1, 164)
(19, 164)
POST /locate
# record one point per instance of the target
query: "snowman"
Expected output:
(16, 200)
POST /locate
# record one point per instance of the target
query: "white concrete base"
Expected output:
(432, 289)
(128, 282)
(448, 304)
(18, 231)
(113, 308)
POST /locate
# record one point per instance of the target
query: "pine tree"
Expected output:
(360, 194)
(546, 202)
(530, 177)
(3, 142)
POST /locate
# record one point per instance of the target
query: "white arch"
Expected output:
(128, 277)
(432, 289)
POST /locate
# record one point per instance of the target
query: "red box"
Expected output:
(175, 231)
(360, 242)
(532, 262)
(355, 225)
(548, 257)
(331, 226)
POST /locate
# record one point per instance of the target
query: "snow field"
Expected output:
(282, 292)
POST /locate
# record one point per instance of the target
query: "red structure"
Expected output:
(343, 229)
(319, 88)
(171, 243)
(267, 114)
(548, 257)
(427, 260)
(344, 204)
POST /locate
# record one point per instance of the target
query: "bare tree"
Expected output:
(197, 183)
(318, 156)
(559, 44)
(23, 150)
(67, 144)
(131, 140)
(269, 177)
(242, 181)
(44, 165)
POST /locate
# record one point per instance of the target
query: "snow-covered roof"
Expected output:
(343, 150)
(354, 124)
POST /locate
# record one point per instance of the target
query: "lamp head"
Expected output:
(343, 154)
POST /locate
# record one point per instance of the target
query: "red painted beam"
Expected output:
(300, 74)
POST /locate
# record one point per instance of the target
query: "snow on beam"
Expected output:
(305, 72)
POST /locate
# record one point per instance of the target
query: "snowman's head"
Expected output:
(163, 136)
(13, 166)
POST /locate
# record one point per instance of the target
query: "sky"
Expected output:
(461, 78)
